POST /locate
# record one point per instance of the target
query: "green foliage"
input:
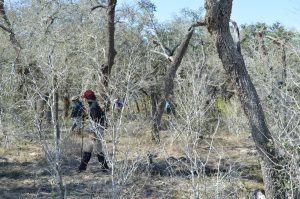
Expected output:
(223, 106)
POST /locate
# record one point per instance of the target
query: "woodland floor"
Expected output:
(231, 169)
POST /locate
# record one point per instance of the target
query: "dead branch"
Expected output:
(170, 58)
(98, 6)
(197, 24)
(6, 29)
(167, 52)
(158, 42)
(276, 40)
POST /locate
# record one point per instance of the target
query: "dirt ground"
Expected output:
(227, 163)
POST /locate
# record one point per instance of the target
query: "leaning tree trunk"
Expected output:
(217, 22)
(110, 47)
(110, 50)
(169, 82)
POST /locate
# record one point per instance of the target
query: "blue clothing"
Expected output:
(118, 103)
(77, 109)
(169, 108)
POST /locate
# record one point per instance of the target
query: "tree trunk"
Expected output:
(110, 50)
(48, 108)
(145, 107)
(66, 104)
(55, 98)
(1, 122)
(217, 21)
(169, 81)
(56, 130)
(261, 43)
(137, 105)
(155, 126)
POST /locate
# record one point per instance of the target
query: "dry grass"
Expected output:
(25, 172)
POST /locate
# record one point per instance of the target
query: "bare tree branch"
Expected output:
(98, 6)
(6, 29)
(170, 58)
(3, 13)
(197, 24)
(51, 19)
(276, 40)
(167, 52)
(158, 42)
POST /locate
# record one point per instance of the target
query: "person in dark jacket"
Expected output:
(97, 124)
(77, 114)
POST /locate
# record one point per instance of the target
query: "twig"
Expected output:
(275, 40)
(6, 29)
(197, 24)
(98, 6)
(170, 58)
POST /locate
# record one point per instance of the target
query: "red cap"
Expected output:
(89, 94)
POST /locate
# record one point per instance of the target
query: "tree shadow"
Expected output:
(19, 179)
(176, 167)
(184, 167)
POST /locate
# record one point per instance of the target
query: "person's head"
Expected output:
(89, 95)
